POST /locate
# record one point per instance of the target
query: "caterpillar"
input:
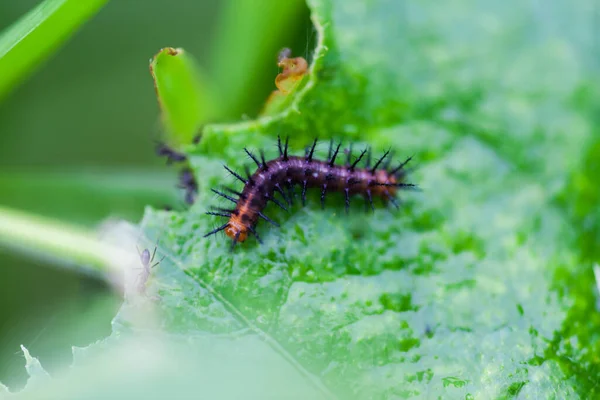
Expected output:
(287, 170)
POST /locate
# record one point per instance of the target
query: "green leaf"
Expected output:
(475, 288)
(168, 367)
(185, 96)
(459, 294)
(34, 368)
(29, 41)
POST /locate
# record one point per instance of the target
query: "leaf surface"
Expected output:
(458, 294)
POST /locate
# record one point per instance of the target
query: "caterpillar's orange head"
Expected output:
(236, 230)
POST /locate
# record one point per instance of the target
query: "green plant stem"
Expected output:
(74, 247)
(185, 95)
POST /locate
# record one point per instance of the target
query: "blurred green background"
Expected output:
(76, 144)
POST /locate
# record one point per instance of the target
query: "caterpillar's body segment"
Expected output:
(287, 171)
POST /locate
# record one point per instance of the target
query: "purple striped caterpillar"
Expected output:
(287, 171)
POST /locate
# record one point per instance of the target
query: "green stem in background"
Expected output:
(34, 37)
(73, 246)
(247, 37)
(185, 95)
(87, 196)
